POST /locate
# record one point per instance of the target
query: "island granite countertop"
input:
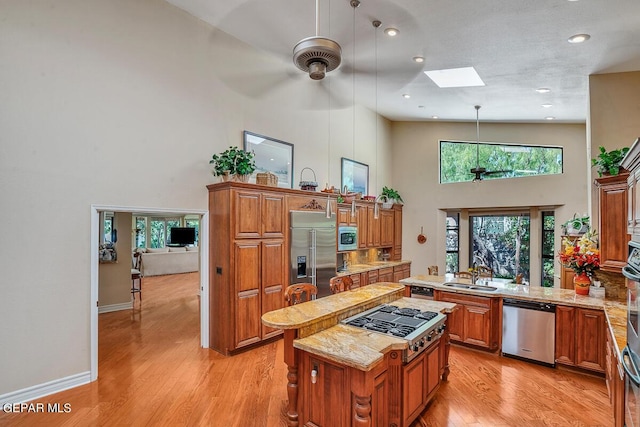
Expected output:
(320, 331)
(615, 310)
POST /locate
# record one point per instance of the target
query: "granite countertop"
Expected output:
(333, 308)
(615, 310)
(320, 333)
(360, 348)
(368, 266)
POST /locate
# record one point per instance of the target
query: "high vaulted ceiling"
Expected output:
(516, 46)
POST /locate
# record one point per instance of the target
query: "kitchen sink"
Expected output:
(471, 287)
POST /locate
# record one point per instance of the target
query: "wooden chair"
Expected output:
(136, 274)
(340, 284)
(463, 275)
(300, 292)
(484, 271)
(433, 270)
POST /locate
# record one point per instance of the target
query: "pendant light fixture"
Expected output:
(376, 24)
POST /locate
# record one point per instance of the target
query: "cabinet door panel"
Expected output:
(433, 366)
(373, 228)
(362, 223)
(414, 387)
(386, 228)
(273, 281)
(247, 318)
(565, 334)
(273, 219)
(590, 346)
(247, 279)
(478, 325)
(248, 222)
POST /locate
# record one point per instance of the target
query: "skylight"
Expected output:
(455, 77)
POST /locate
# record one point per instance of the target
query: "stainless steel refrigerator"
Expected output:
(313, 249)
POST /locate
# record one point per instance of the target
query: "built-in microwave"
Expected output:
(347, 238)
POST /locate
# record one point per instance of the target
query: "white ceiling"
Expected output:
(515, 45)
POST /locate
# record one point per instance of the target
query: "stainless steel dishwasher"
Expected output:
(529, 330)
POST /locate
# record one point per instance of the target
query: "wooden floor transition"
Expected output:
(152, 371)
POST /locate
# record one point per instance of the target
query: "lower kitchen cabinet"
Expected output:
(476, 322)
(400, 391)
(614, 375)
(580, 338)
(401, 272)
(385, 274)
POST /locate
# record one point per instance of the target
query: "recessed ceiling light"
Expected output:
(406, 96)
(418, 59)
(549, 118)
(455, 77)
(420, 106)
(579, 38)
(391, 32)
(434, 117)
(547, 105)
(543, 90)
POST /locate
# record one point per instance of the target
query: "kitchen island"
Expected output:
(342, 375)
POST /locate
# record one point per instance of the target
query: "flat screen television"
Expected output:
(182, 236)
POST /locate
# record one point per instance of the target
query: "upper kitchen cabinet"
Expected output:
(612, 193)
(260, 214)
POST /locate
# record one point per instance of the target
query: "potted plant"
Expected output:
(245, 165)
(233, 161)
(223, 164)
(576, 225)
(389, 196)
(608, 162)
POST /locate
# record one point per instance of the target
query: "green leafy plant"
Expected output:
(389, 194)
(576, 225)
(608, 162)
(233, 160)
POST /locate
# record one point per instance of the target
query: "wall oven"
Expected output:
(347, 238)
(631, 353)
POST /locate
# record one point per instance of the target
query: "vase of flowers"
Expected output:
(583, 257)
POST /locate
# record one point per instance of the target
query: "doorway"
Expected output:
(204, 268)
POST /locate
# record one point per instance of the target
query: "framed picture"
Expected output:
(271, 155)
(355, 176)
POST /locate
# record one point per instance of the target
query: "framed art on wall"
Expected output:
(355, 176)
(271, 155)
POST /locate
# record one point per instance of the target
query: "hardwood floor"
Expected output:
(153, 372)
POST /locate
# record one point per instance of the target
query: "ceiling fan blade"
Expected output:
(498, 172)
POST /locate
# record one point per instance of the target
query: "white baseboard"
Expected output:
(45, 389)
(115, 307)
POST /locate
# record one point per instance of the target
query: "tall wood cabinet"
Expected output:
(613, 236)
(247, 265)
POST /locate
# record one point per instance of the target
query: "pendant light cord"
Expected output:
(477, 107)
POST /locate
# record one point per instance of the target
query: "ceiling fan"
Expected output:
(478, 171)
(318, 55)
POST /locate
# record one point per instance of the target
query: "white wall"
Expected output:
(416, 177)
(123, 103)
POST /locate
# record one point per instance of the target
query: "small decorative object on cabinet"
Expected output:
(576, 225)
(308, 185)
(388, 197)
(583, 257)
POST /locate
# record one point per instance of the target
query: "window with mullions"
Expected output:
(501, 242)
(453, 242)
(548, 242)
(500, 160)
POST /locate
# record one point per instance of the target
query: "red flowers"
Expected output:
(583, 255)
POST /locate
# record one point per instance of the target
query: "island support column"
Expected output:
(361, 386)
(291, 359)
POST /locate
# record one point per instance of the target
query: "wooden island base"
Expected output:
(334, 385)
